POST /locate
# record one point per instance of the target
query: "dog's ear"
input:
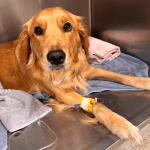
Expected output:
(83, 33)
(24, 49)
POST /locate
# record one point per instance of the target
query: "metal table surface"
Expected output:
(74, 134)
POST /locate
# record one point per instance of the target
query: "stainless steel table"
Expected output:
(76, 135)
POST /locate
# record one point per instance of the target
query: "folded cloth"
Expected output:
(3, 137)
(101, 51)
(19, 109)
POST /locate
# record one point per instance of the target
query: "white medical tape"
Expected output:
(85, 103)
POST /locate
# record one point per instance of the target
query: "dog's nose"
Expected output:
(56, 57)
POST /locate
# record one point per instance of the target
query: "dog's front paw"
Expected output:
(124, 129)
(116, 123)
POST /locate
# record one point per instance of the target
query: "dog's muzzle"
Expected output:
(56, 58)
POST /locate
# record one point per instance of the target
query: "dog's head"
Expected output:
(53, 38)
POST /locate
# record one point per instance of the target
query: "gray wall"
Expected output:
(14, 13)
(125, 23)
(78, 7)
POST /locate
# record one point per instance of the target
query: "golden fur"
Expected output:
(24, 66)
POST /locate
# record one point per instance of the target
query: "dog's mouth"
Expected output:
(57, 67)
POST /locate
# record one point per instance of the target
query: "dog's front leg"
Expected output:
(115, 123)
(97, 73)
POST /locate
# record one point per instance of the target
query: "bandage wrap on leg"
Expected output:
(87, 103)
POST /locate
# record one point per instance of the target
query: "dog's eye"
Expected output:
(38, 31)
(67, 27)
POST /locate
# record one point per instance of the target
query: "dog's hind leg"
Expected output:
(102, 74)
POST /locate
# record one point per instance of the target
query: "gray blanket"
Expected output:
(18, 109)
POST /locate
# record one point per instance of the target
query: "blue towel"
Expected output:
(3, 137)
(123, 64)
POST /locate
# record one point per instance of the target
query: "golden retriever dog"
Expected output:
(50, 56)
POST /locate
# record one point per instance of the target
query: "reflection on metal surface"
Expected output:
(34, 137)
(74, 134)
(14, 13)
(77, 7)
(124, 23)
(138, 38)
